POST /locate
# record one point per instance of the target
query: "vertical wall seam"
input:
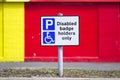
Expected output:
(119, 13)
(98, 30)
(118, 41)
(3, 29)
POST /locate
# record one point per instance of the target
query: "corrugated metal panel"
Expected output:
(99, 32)
(1, 0)
(109, 31)
(16, 0)
(88, 31)
(13, 32)
(59, 0)
(74, 0)
(119, 31)
(1, 30)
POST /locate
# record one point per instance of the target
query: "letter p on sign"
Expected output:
(48, 24)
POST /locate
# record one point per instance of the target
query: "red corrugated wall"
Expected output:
(99, 32)
(109, 31)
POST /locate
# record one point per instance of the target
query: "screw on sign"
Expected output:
(60, 31)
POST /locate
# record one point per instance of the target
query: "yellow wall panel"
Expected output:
(17, 0)
(1, 32)
(1, 0)
(13, 32)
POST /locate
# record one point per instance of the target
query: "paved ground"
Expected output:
(75, 65)
(59, 78)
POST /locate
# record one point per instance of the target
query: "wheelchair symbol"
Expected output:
(49, 37)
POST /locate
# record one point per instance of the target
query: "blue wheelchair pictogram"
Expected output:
(48, 37)
(48, 24)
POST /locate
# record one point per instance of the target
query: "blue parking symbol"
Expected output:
(48, 37)
(48, 24)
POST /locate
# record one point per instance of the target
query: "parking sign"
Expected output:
(62, 30)
(48, 24)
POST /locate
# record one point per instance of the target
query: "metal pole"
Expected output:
(60, 60)
(60, 57)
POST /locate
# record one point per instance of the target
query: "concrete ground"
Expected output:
(70, 65)
(59, 78)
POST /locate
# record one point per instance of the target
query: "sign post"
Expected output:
(60, 61)
(60, 57)
(60, 31)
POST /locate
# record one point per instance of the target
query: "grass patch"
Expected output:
(75, 73)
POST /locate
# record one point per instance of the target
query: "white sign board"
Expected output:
(59, 30)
